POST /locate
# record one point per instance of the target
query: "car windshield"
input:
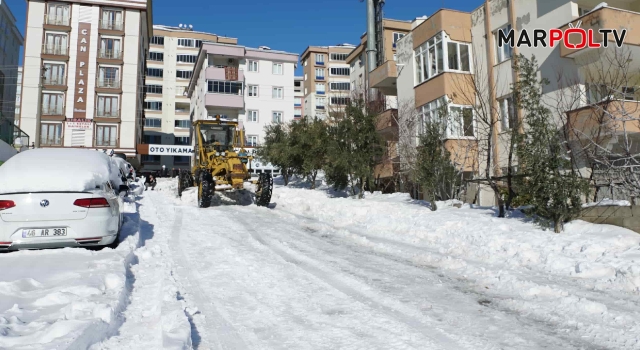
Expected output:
(222, 134)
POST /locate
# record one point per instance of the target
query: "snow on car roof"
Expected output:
(47, 169)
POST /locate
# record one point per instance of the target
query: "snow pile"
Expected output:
(608, 202)
(47, 169)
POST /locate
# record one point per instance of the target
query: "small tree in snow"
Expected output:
(276, 149)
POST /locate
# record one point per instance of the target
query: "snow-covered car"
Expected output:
(59, 198)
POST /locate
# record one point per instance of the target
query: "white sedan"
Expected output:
(59, 198)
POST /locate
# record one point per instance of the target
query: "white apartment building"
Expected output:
(172, 55)
(326, 79)
(254, 85)
(18, 95)
(83, 74)
(10, 42)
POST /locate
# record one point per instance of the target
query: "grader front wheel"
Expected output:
(206, 188)
(264, 190)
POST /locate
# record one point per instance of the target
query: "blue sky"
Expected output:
(288, 25)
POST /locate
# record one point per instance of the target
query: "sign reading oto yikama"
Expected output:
(82, 67)
(169, 150)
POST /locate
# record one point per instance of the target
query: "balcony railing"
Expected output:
(319, 107)
(320, 92)
(57, 110)
(182, 110)
(319, 78)
(56, 20)
(109, 83)
(112, 25)
(59, 80)
(108, 114)
(320, 63)
(52, 49)
(110, 54)
(12, 134)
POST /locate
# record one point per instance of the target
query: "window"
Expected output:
(278, 93)
(320, 88)
(54, 74)
(153, 89)
(109, 77)
(184, 124)
(157, 40)
(107, 106)
(57, 14)
(182, 160)
(339, 56)
(52, 104)
(155, 72)
(225, 87)
(297, 101)
(51, 134)
(186, 43)
(153, 123)
(252, 116)
(396, 37)
(505, 52)
(319, 74)
(342, 86)
(277, 68)
(198, 43)
(339, 71)
(253, 90)
(110, 48)
(297, 83)
(319, 58)
(156, 56)
(106, 135)
(342, 101)
(629, 93)
(458, 56)
(507, 113)
(150, 159)
(596, 93)
(252, 140)
(111, 20)
(460, 121)
(429, 113)
(153, 139)
(253, 66)
(276, 117)
(186, 58)
(297, 113)
(429, 59)
(153, 105)
(182, 140)
(183, 74)
(56, 44)
(320, 102)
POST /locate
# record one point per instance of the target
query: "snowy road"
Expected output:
(314, 272)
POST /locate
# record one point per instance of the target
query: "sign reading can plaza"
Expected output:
(169, 150)
(82, 60)
(78, 123)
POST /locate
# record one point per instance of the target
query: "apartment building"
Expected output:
(298, 97)
(18, 95)
(173, 52)
(10, 42)
(252, 85)
(326, 79)
(84, 73)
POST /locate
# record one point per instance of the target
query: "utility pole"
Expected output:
(36, 142)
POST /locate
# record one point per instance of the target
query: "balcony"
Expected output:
(228, 73)
(108, 83)
(52, 110)
(603, 122)
(108, 114)
(605, 18)
(112, 25)
(384, 78)
(55, 50)
(53, 82)
(463, 153)
(54, 20)
(387, 123)
(110, 54)
(223, 100)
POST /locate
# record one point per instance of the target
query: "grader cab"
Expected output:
(222, 163)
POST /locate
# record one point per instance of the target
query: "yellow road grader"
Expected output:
(222, 163)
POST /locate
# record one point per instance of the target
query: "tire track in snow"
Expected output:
(223, 334)
(439, 337)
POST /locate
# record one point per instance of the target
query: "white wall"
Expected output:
(31, 68)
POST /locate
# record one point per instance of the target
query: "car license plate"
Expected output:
(44, 232)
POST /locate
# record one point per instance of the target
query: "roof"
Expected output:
(177, 29)
(310, 48)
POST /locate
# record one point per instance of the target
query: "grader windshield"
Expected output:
(220, 137)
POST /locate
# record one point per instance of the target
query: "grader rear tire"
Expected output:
(206, 189)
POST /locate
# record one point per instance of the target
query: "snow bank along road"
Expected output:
(314, 272)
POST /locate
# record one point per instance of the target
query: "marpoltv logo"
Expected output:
(555, 36)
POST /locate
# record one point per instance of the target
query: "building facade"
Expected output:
(298, 97)
(172, 55)
(84, 73)
(10, 42)
(253, 85)
(326, 79)
(18, 96)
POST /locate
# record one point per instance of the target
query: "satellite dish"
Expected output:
(180, 26)
(190, 26)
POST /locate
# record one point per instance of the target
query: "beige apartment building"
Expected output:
(384, 79)
(84, 73)
(170, 62)
(326, 80)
